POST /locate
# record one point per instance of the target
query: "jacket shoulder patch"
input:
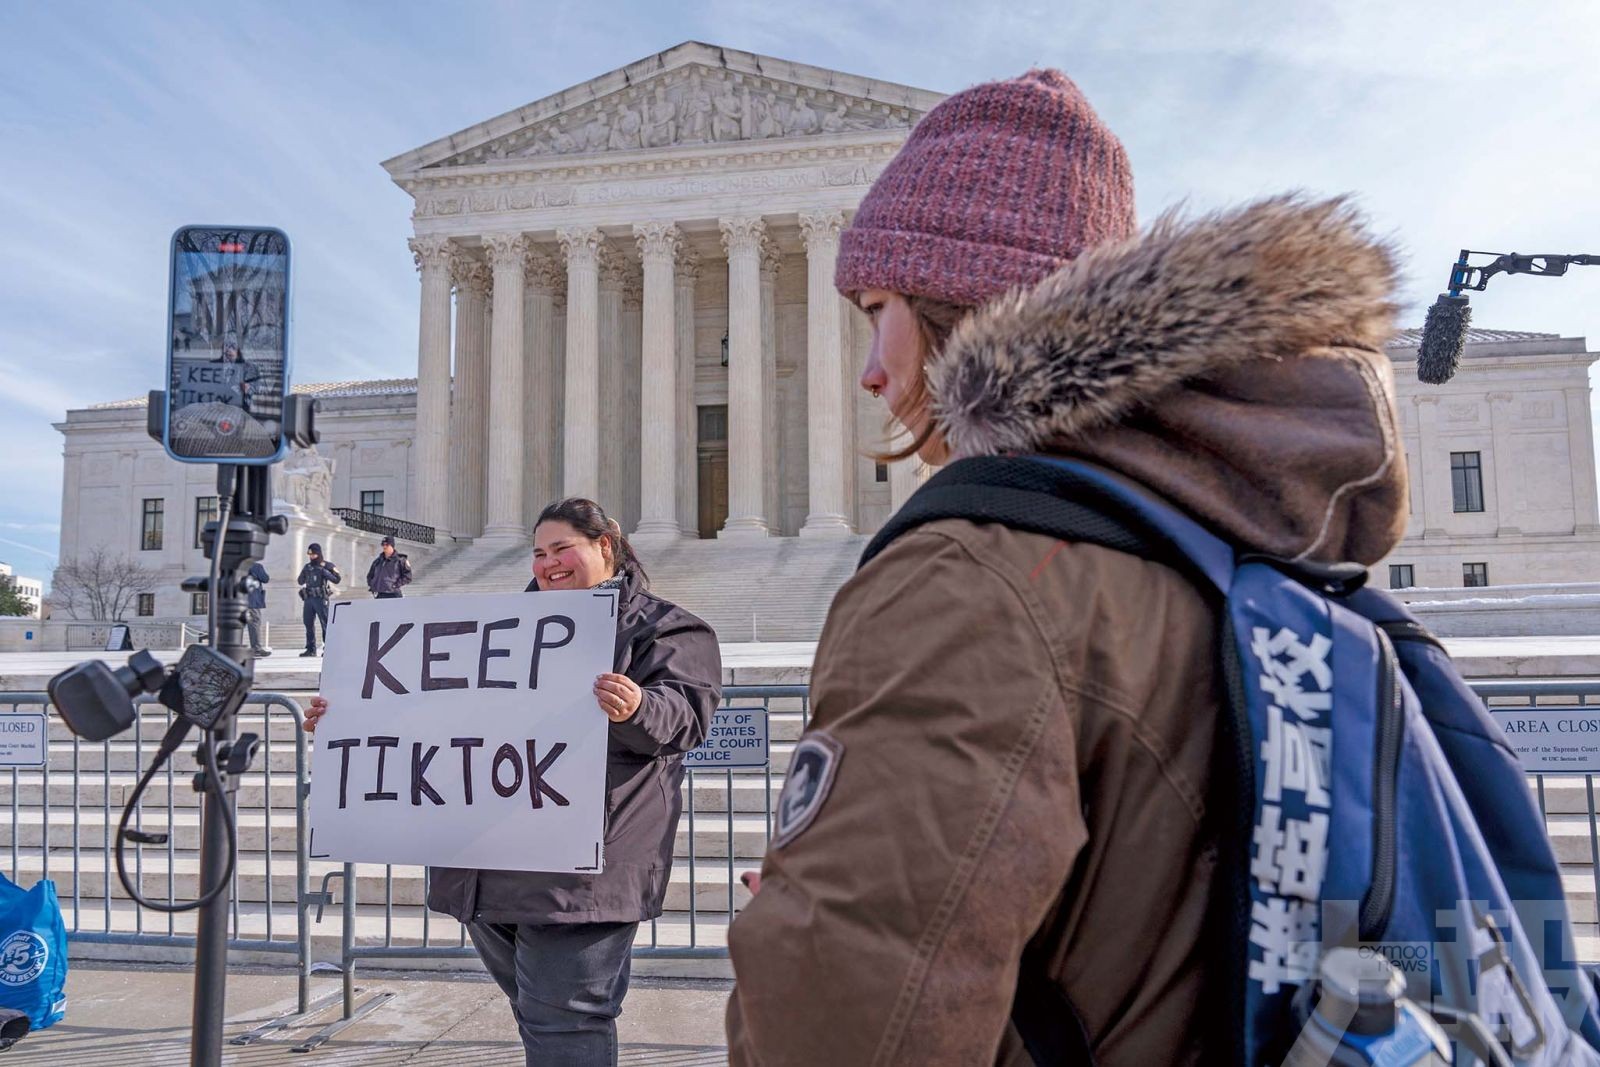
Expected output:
(811, 772)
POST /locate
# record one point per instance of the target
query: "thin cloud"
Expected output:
(51, 556)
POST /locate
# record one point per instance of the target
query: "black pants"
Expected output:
(316, 608)
(386, 596)
(252, 623)
(565, 982)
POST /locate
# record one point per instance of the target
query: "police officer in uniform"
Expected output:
(317, 579)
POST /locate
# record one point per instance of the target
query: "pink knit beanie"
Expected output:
(998, 186)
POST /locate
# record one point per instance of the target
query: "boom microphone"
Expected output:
(1444, 335)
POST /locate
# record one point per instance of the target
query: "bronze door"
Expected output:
(713, 460)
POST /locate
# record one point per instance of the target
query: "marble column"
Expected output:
(825, 408)
(613, 274)
(1580, 453)
(659, 395)
(503, 519)
(628, 429)
(688, 469)
(469, 424)
(906, 477)
(541, 387)
(580, 454)
(430, 493)
(863, 426)
(770, 259)
(742, 239)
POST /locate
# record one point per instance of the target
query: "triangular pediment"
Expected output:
(690, 96)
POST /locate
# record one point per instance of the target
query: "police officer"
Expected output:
(255, 584)
(317, 579)
(389, 572)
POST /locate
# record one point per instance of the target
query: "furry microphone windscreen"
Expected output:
(1443, 336)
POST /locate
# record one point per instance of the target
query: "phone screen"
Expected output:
(228, 344)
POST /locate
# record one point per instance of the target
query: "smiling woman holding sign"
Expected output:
(559, 944)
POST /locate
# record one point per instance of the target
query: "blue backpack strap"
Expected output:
(1079, 502)
(1072, 500)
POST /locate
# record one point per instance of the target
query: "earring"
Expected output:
(873, 389)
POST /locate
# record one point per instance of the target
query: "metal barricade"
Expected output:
(64, 816)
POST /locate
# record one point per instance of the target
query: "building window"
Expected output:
(372, 501)
(1466, 480)
(1402, 576)
(150, 531)
(880, 472)
(1474, 575)
(147, 604)
(206, 509)
(198, 604)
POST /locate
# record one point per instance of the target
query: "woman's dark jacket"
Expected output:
(674, 658)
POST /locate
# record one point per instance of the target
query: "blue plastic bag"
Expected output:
(33, 952)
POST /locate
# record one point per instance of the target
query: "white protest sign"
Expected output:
(463, 731)
(206, 381)
(1553, 740)
(24, 739)
(737, 738)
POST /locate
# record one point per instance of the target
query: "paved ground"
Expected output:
(127, 1015)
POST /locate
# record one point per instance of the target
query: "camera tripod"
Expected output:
(233, 548)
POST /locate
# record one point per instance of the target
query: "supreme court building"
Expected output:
(630, 284)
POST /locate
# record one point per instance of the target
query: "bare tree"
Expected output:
(100, 586)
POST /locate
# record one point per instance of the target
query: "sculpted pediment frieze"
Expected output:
(692, 105)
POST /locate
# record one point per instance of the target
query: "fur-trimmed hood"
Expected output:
(1233, 363)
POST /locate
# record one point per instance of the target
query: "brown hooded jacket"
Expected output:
(1012, 738)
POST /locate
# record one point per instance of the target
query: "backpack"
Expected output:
(1370, 801)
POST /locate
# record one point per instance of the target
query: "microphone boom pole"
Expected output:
(1444, 333)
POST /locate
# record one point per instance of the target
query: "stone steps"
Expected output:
(94, 791)
(776, 589)
(93, 829)
(92, 876)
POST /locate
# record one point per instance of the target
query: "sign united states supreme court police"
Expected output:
(463, 731)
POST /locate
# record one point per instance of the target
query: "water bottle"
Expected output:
(1362, 1018)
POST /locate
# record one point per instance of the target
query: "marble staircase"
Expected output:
(774, 589)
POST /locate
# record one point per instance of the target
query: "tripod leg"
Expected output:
(211, 942)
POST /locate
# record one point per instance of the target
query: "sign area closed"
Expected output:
(737, 738)
(24, 739)
(1553, 740)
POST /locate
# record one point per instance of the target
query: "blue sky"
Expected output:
(121, 121)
